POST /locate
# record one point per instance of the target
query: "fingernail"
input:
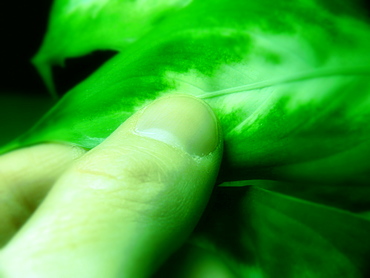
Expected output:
(181, 121)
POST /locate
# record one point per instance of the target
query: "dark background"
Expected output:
(22, 27)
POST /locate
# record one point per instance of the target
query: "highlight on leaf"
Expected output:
(288, 89)
(290, 85)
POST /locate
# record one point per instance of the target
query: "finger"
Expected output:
(128, 203)
(25, 177)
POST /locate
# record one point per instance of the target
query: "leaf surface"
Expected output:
(289, 90)
(262, 233)
(290, 85)
(79, 27)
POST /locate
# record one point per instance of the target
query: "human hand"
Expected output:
(118, 210)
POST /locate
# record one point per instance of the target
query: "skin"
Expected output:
(118, 210)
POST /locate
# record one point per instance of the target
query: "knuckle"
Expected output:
(129, 168)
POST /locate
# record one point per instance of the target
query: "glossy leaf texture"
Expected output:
(278, 236)
(290, 84)
(289, 81)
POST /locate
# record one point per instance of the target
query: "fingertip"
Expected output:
(182, 121)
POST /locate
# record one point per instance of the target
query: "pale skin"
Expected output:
(118, 210)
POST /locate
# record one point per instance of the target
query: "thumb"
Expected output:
(127, 204)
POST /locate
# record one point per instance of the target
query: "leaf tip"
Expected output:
(44, 69)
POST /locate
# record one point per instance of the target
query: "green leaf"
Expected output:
(290, 84)
(79, 27)
(290, 90)
(261, 233)
(345, 196)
